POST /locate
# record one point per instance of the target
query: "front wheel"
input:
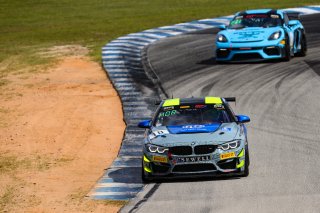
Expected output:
(144, 176)
(303, 43)
(287, 56)
(246, 163)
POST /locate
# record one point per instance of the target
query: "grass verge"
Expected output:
(27, 26)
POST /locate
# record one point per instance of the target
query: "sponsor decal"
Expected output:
(218, 106)
(168, 108)
(274, 16)
(200, 106)
(256, 16)
(227, 155)
(193, 159)
(158, 133)
(193, 126)
(247, 35)
(227, 129)
(184, 107)
(160, 159)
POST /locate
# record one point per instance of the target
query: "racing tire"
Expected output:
(303, 43)
(220, 62)
(144, 177)
(287, 50)
(246, 163)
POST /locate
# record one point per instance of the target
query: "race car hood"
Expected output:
(193, 128)
(185, 135)
(250, 34)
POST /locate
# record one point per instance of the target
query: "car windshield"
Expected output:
(255, 20)
(192, 114)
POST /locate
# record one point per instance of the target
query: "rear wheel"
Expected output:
(303, 43)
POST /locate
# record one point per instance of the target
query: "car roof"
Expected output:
(183, 101)
(259, 11)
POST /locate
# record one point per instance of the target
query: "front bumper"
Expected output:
(209, 164)
(253, 51)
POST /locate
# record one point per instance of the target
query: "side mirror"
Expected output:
(293, 22)
(145, 124)
(243, 118)
(222, 27)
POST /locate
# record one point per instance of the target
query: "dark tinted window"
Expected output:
(285, 18)
(201, 114)
(256, 20)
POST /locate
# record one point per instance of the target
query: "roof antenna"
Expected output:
(171, 95)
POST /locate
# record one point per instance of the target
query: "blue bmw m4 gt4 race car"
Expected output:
(255, 35)
(195, 137)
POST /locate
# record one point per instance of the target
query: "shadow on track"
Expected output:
(212, 61)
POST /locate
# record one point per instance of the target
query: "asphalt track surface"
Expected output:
(282, 99)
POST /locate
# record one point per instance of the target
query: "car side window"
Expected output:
(286, 19)
(231, 116)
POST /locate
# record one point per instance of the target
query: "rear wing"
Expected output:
(230, 99)
(293, 15)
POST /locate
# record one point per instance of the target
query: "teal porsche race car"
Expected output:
(195, 137)
(255, 35)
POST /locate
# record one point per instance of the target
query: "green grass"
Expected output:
(29, 25)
